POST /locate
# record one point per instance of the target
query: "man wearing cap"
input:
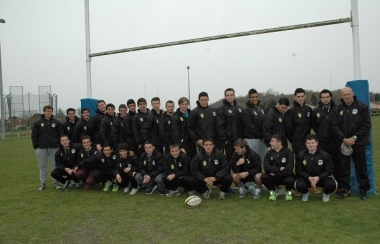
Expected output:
(352, 123)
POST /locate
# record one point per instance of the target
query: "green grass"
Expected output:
(76, 216)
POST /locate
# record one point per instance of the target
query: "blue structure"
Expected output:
(89, 103)
(361, 91)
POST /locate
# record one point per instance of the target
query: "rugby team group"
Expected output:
(151, 149)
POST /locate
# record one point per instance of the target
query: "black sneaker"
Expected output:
(343, 194)
(363, 196)
(151, 190)
(66, 185)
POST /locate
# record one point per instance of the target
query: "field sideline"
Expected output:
(76, 216)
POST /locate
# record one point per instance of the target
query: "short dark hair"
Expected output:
(48, 107)
(110, 105)
(208, 139)
(84, 109)
(311, 137)
(280, 138)
(228, 89)
(101, 101)
(252, 91)
(122, 106)
(86, 137)
(325, 91)
(131, 101)
(174, 145)
(202, 94)
(283, 101)
(123, 146)
(155, 99)
(70, 109)
(63, 135)
(241, 143)
(148, 142)
(183, 99)
(299, 90)
(168, 101)
(141, 100)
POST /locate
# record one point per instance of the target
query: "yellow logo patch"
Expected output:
(141, 119)
(168, 122)
(204, 163)
(299, 115)
(103, 160)
(304, 162)
(318, 115)
(172, 166)
(255, 112)
(42, 124)
(181, 119)
(341, 112)
(230, 111)
(202, 116)
(144, 162)
(68, 128)
(111, 123)
(81, 155)
(280, 120)
(157, 121)
(85, 128)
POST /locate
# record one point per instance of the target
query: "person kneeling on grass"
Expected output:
(65, 160)
(126, 169)
(151, 168)
(101, 165)
(246, 167)
(314, 167)
(210, 167)
(177, 171)
(278, 166)
(83, 172)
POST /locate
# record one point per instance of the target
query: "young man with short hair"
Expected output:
(314, 169)
(117, 131)
(83, 171)
(151, 168)
(246, 167)
(150, 129)
(70, 121)
(106, 126)
(80, 128)
(210, 168)
(137, 123)
(93, 126)
(45, 140)
(278, 167)
(165, 126)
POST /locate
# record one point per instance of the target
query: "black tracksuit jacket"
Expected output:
(253, 117)
(273, 161)
(67, 158)
(214, 165)
(179, 166)
(68, 127)
(202, 123)
(229, 122)
(273, 123)
(45, 133)
(321, 120)
(298, 122)
(317, 164)
(151, 166)
(252, 163)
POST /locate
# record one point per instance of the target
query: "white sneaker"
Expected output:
(222, 195)
(173, 193)
(305, 197)
(134, 190)
(126, 189)
(256, 193)
(242, 192)
(326, 197)
(191, 193)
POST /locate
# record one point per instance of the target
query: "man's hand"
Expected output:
(314, 181)
(349, 141)
(118, 178)
(69, 171)
(170, 177)
(200, 142)
(99, 147)
(146, 179)
(240, 161)
(127, 169)
(210, 180)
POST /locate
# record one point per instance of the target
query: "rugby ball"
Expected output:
(193, 201)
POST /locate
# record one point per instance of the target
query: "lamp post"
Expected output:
(188, 84)
(1, 95)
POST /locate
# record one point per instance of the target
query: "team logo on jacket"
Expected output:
(271, 158)
(230, 111)
(308, 114)
(168, 122)
(341, 112)
(248, 161)
(144, 162)
(121, 124)
(53, 125)
(103, 160)
(320, 162)
(299, 115)
(85, 127)
(180, 164)
(181, 119)
(239, 110)
(61, 154)
(72, 150)
(110, 123)
(216, 161)
(255, 113)
(114, 157)
(141, 119)
(280, 120)
(214, 113)
(204, 163)
(304, 162)
(283, 160)
(172, 166)
(202, 116)
(262, 111)
(120, 165)
(318, 115)
(354, 111)
(81, 155)
(68, 127)
(157, 121)
(153, 163)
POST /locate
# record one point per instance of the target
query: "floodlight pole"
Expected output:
(88, 50)
(1, 96)
(188, 83)
(355, 38)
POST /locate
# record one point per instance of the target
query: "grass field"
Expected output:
(76, 216)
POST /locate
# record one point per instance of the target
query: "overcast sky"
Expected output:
(43, 43)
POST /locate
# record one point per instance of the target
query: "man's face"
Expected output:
(156, 105)
(203, 101)
(229, 96)
(275, 144)
(254, 99)
(110, 111)
(347, 95)
(123, 112)
(123, 153)
(311, 145)
(48, 113)
(175, 152)
(71, 115)
(208, 146)
(325, 99)
(86, 143)
(142, 107)
(149, 148)
(240, 150)
(65, 142)
(132, 107)
(300, 97)
(170, 108)
(102, 107)
(107, 151)
(281, 108)
(184, 106)
(86, 114)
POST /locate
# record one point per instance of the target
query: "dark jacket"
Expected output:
(150, 129)
(68, 127)
(273, 162)
(214, 165)
(137, 124)
(45, 133)
(117, 131)
(202, 123)
(93, 127)
(252, 163)
(83, 154)
(298, 122)
(101, 162)
(180, 132)
(127, 133)
(229, 121)
(153, 165)
(106, 130)
(80, 129)
(67, 158)
(352, 120)
(317, 164)
(122, 163)
(321, 121)
(166, 129)
(179, 166)
(273, 123)
(253, 117)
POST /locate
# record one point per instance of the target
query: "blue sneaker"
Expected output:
(230, 191)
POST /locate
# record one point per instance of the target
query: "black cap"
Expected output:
(130, 101)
